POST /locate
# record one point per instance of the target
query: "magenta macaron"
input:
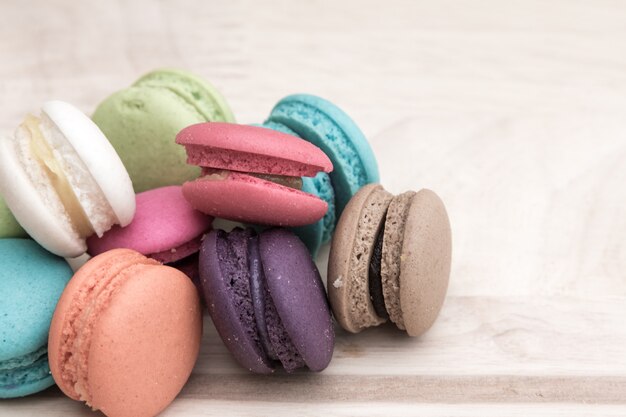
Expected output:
(165, 228)
(252, 174)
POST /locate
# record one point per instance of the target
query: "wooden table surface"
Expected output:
(514, 112)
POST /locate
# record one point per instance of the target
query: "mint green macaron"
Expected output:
(142, 122)
(9, 227)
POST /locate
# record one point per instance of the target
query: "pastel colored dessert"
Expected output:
(31, 282)
(9, 227)
(316, 234)
(252, 174)
(125, 334)
(142, 121)
(390, 260)
(266, 299)
(62, 179)
(165, 228)
(322, 123)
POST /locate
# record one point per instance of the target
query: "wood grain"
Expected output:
(513, 112)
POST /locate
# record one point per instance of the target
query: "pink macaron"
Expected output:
(125, 334)
(165, 228)
(252, 174)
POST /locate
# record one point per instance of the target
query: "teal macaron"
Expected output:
(142, 121)
(31, 282)
(322, 123)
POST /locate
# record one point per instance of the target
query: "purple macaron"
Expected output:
(266, 299)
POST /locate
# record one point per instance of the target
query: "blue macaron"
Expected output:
(31, 282)
(320, 122)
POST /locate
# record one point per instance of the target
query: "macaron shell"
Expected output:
(198, 92)
(9, 227)
(97, 155)
(298, 294)
(31, 210)
(351, 248)
(328, 127)
(31, 282)
(249, 199)
(251, 149)
(141, 124)
(164, 220)
(220, 300)
(425, 262)
(145, 344)
(392, 253)
(37, 374)
(75, 297)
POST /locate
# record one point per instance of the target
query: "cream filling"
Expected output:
(291, 182)
(44, 155)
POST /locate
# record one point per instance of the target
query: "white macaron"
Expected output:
(63, 180)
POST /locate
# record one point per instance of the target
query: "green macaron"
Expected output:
(9, 227)
(142, 121)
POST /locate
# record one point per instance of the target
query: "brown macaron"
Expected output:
(390, 260)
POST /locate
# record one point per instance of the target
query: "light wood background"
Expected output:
(514, 112)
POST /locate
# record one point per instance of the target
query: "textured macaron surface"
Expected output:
(325, 125)
(232, 152)
(31, 282)
(251, 149)
(393, 239)
(390, 258)
(142, 122)
(193, 89)
(425, 262)
(266, 299)
(297, 291)
(164, 221)
(225, 282)
(242, 197)
(125, 334)
(351, 253)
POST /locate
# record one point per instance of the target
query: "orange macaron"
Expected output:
(125, 334)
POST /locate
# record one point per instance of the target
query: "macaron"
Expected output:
(141, 122)
(252, 174)
(125, 334)
(390, 260)
(31, 282)
(316, 234)
(322, 123)
(9, 227)
(62, 179)
(266, 299)
(165, 228)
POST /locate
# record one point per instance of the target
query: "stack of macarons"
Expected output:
(130, 317)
